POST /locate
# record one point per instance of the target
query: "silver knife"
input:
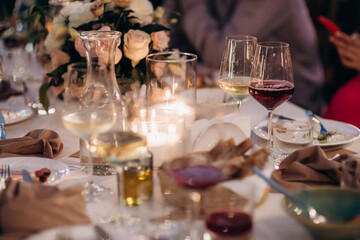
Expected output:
(26, 176)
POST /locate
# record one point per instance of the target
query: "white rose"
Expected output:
(122, 3)
(143, 11)
(66, 11)
(136, 45)
(81, 15)
(51, 43)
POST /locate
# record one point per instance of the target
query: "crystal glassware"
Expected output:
(272, 80)
(89, 106)
(235, 67)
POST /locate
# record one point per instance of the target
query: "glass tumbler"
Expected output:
(290, 136)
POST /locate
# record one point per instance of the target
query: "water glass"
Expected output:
(171, 82)
(290, 136)
(351, 174)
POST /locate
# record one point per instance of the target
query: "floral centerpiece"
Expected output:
(144, 30)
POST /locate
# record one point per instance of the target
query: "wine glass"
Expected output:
(272, 80)
(88, 109)
(235, 67)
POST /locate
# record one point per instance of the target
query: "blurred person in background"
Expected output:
(344, 105)
(204, 24)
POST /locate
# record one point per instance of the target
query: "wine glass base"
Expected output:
(93, 192)
(124, 219)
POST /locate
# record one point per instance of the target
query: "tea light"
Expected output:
(180, 108)
(163, 132)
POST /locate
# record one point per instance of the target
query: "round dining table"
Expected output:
(270, 219)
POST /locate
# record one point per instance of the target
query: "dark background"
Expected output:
(344, 13)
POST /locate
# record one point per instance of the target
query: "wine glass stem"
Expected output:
(195, 197)
(238, 105)
(90, 161)
(270, 131)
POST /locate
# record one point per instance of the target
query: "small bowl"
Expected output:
(210, 101)
(341, 205)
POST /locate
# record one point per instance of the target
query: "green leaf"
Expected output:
(44, 100)
(37, 19)
(154, 28)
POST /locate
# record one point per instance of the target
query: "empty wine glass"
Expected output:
(235, 68)
(272, 80)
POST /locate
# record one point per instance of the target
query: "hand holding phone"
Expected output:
(329, 25)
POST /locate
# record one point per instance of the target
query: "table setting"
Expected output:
(126, 146)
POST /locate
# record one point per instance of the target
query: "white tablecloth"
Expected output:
(271, 222)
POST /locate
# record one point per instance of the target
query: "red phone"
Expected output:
(329, 25)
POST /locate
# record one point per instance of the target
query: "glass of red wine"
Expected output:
(196, 178)
(231, 219)
(272, 80)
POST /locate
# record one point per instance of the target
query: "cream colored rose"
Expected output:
(51, 43)
(122, 3)
(97, 8)
(143, 11)
(58, 58)
(81, 15)
(160, 40)
(59, 31)
(136, 45)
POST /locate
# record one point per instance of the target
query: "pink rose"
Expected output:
(101, 49)
(136, 45)
(79, 47)
(160, 40)
(122, 3)
(158, 68)
(97, 8)
(58, 58)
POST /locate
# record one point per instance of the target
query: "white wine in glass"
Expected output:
(235, 68)
(88, 109)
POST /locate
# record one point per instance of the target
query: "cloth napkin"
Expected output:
(38, 142)
(29, 208)
(6, 91)
(309, 167)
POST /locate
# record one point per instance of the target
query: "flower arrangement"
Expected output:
(144, 30)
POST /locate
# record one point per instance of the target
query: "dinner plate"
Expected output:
(85, 232)
(58, 169)
(14, 113)
(345, 133)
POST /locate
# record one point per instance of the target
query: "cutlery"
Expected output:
(312, 213)
(26, 176)
(309, 113)
(324, 133)
(282, 117)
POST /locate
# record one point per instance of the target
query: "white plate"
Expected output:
(58, 169)
(85, 232)
(14, 113)
(345, 133)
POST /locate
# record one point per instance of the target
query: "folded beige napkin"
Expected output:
(38, 142)
(309, 167)
(29, 208)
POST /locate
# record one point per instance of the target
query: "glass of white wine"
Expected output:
(88, 109)
(235, 68)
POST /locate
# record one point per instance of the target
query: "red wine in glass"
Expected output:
(197, 176)
(271, 93)
(229, 223)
